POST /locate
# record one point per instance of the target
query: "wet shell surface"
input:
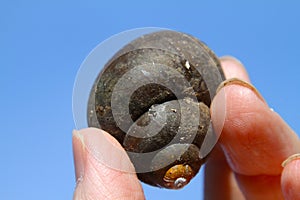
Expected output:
(154, 96)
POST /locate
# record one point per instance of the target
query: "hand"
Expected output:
(98, 158)
(245, 164)
(254, 142)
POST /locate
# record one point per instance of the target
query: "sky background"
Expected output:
(43, 43)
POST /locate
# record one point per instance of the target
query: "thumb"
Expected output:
(103, 169)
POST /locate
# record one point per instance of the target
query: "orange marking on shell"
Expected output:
(178, 176)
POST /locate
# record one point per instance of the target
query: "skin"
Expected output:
(245, 164)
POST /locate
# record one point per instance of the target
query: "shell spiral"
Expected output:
(154, 97)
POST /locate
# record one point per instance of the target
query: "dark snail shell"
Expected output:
(154, 96)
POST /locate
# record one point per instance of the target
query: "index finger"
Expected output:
(254, 138)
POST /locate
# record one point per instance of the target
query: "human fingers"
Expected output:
(290, 179)
(255, 138)
(219, 179)
(103, 169)
(233, 68)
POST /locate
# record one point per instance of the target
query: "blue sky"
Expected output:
(43, 43)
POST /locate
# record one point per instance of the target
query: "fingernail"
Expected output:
(234, 68)
(236, 81)
(79, 155)
(290, 159)
(104, 149)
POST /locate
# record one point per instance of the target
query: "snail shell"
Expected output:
(154, 96)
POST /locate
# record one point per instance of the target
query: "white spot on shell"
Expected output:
(187, 65)
(180, 182)
(174, 110)
(145, 73)
(152, 113)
